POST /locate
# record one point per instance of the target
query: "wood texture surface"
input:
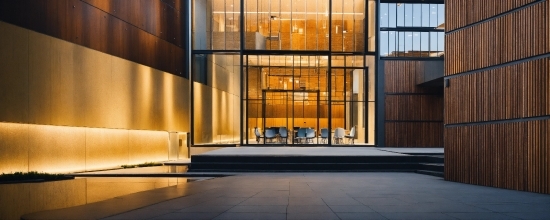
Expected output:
(517, 35)
(465, 12)
(146, 31)
(510, 92)
(413, 114)
(507, 155)
(496, 104)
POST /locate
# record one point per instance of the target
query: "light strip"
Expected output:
(297, 13)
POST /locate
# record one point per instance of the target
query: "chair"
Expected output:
(351, 135)
(324, 135)
(310, 134)
(258, 135)
(283, 134)
(338, 135)
(300, 136)
(270, 134)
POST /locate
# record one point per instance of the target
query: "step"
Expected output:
(431, 173)
(312, 159)
(194, 167)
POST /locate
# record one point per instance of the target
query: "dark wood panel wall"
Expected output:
(510, 92)
(497, 112)
(149, 32)
(500, 40)
(413, 114)
(465, 12)
(505, 155)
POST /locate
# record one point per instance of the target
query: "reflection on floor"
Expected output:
(318, 196)
(102, 188)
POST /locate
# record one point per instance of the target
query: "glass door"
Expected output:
(291, 110)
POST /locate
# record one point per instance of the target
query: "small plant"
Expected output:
(146, 164)
(33, 175)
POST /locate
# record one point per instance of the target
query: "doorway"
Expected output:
(292, 110)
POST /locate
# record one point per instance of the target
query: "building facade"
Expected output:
(88, 85)
(93, 84)
(282, 64)
(411, 73)
(496, 96)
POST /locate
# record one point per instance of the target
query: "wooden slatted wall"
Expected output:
(509, 92)
(414, 114)
(505, 155)
(497, 107)
(518, 35)
(464, 12)
(146, 32)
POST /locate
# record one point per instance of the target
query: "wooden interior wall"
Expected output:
(497, 113)
(413, 114)
(146, 32)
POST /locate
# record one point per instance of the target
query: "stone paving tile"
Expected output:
(530, 215)
(206, 208)
(223, 201)
(427, 207)
(247, 216)
(266, 201)
(145, 213)
(325, 196)
(516, 207)
(417, 216)
(307, 194)
(175, 204)
(306, 201)
(188, 216)
(360, 216)
(350, 208)
(381, 201)
(312, 216)
(259, 208)
(341, 201)
(481, 216)
(273, 193)
(308, 209)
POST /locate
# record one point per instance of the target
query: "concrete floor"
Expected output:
(317, 196)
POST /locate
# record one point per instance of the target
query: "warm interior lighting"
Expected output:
(76, 148)
(287, 13)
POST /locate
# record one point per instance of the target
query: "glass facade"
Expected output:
(306, 64)
(412, 30)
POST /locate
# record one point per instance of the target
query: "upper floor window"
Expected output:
(394, 15)
(412, 30)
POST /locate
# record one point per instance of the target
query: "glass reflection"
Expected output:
(293, 92)
(425, 39)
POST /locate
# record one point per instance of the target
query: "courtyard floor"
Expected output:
(316, 196)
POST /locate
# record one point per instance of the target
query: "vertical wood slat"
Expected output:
(414, 115)
(505, 93)
(111, 27)
(513, 155)
(522, 37)
(504, 156)
(466, 12)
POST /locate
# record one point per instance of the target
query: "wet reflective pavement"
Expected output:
(316, 196)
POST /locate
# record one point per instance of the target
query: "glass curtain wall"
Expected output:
(305, 64)
(412, 30)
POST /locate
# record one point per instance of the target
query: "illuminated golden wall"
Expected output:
(65, 107)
